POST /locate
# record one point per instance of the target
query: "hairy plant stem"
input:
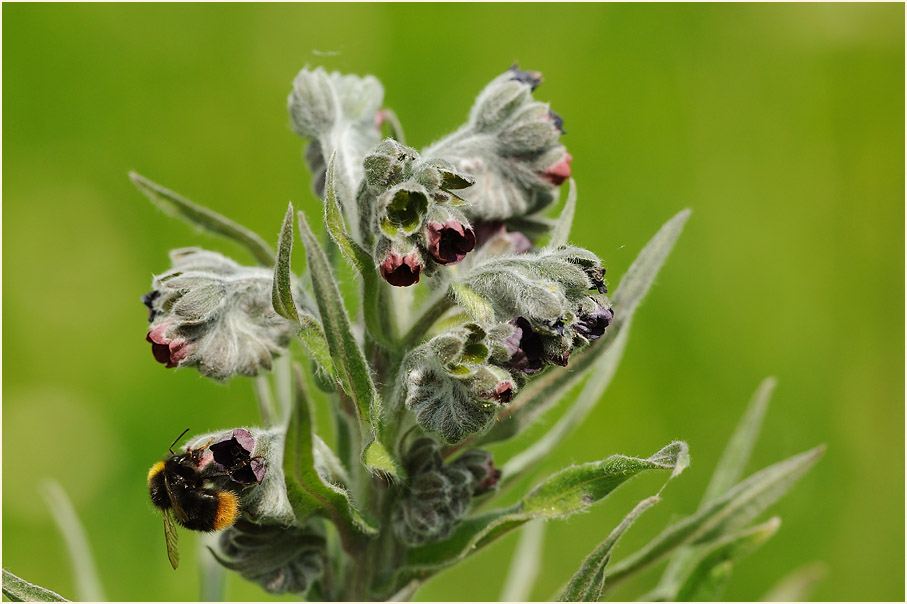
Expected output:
(433, 311)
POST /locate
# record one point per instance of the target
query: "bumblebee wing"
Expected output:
(181, 514)
(171, 538)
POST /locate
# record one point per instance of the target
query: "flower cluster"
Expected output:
(510, 145)
(413, 206)
(211, 313)
(455, 382)
(438, 494)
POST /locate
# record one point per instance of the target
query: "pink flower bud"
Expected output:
(559, 172)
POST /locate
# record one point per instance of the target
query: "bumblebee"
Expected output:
(181, 487)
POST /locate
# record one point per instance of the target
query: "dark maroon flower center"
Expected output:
(449, 243)
(401, 271)
(234, 456)
(530, 356)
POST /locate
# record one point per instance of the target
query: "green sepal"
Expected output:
(202, 217)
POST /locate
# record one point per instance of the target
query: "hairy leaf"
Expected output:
(727, 513)
(20, 590)
(308, 492)
(589, 581)
(282, 291)
(202, 217)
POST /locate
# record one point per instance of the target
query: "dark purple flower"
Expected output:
(533, 78)
(449, 242)
(166, 351)
(597, 276)
(593, 325)
(530, 355)
(148, 300)
(559, 172)
(233, 454)
(557, 120)
(491, 478)
(401, 270)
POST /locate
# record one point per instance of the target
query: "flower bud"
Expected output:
(280, 559)
(444, 405)
(214, 314)
(480, 464)
(400, 266)
(319, 101)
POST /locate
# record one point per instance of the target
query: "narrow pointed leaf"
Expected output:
(88, 586)
(349, 362)
(728, 471)
(707, 580)
(282, 291)
(378, 320)
(561, 232)
(472, 303)
(308, 492)
(377, 458)
(202, 217)
(589, 581)
(20, 590)
(737, 453)
(600, 359)
(729, 512)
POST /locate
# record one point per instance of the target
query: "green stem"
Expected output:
(434, 311)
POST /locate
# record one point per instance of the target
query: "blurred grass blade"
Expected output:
(798, 585)
(601, 358)
(567, 492)
(265, 400)
(212, 576)
(202, 217)
(707, 580)
(282, 291)
(85, 572)
(561, 232)
(589, 581)
(730, 512)
(737, 453)
(307, 492)
(376, 309)
(349, 362)
(20, 590)
(524, 568)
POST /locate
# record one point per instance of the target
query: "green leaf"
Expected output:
(282, 291)
(707, 580)
(85, 571)
(377, 458)
(375, 308)
(567, 492)
(349, 362)
(202, 217)
(524, 568)
(729, 470)
(20, 590)
(600, 360)
(798, 585)
(728, 513)
(308, 493)
(561, 232)
(737, 453)
(589, 581)
(315, 343)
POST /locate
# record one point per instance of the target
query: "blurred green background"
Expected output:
(781, 126)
